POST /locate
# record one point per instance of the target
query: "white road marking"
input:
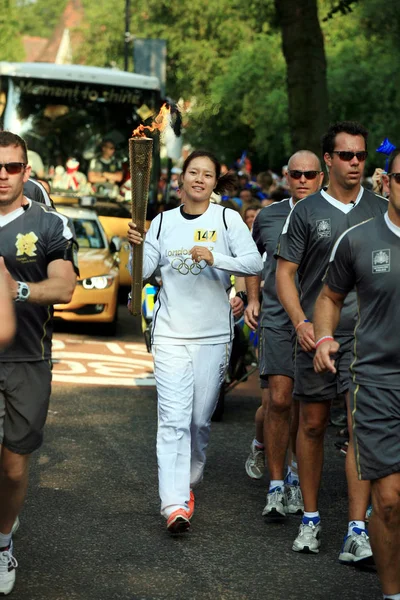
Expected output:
(120, 360)
(112, 363)
(86, 380)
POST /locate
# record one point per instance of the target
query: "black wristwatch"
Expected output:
(242, 296)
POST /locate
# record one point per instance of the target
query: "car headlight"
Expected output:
(97, 283)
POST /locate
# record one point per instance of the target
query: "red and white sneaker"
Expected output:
(190, 510)
(178, 521)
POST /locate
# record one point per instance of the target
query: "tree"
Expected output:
(303, 48)
(39, 17)
(11, 46)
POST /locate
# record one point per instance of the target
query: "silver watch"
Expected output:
(23, 292)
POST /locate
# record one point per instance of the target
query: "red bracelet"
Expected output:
(325, 338)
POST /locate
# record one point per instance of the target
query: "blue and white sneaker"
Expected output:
(368, 513)
(294, 499)
(356, 548)
(275, 508)
(308, 539)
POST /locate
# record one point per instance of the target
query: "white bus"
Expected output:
(65, 111)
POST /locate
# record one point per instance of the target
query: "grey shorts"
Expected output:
(275, 353)
(310, 386)
(24, 400)
(376, 426)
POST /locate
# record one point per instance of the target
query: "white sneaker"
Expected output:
(294, 499)
(16, 525)
(356, 548)
(275, 508)
(308, 539)
(255, 463)
(8, 564)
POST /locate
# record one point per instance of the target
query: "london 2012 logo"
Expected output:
(26, 244)
(324, 229)
(184, 266)
(381, 261)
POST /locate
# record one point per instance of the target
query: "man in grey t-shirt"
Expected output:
(276, 344)
(367, 257)
(304, 248)
(38, 266)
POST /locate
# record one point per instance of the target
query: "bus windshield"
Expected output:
(64, 120)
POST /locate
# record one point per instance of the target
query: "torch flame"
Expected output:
(159, 123)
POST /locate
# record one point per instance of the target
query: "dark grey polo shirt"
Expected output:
(267, 228)
(368, 257)
(309, 235)
(29, 243)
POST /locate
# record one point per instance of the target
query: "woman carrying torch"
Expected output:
(197, 247)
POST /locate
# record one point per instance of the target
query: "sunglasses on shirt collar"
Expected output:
(307, 174)
(13, 168)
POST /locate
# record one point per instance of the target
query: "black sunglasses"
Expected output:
(307, 174)
(13, 168)
(396, 176)
(347, 156)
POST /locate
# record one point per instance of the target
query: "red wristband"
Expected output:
(325, 338)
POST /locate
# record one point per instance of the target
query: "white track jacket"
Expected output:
(193, 305)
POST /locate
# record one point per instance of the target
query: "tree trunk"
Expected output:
(303, 48)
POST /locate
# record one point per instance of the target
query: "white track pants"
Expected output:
(188, 381)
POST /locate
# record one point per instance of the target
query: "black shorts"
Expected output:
(310, 386)
(376, 426)
(275, 353)
(24, 400)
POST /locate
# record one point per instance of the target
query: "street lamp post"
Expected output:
(128, 37)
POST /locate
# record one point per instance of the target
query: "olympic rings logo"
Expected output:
(187, 265)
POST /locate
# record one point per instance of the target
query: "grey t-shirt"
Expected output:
(35, 191)
(266, 231)
(309, 235)
(368, 257)
(29, 243)
(103, 165)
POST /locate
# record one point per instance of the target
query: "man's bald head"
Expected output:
(300, 163)
(306, 155)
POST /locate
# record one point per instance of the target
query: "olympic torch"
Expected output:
(140, 153)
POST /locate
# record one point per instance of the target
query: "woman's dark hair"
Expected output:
(226, 183)
(350, 127)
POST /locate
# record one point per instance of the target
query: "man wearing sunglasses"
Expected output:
(38, 265)
(368, 257)
(304, 177)
(305, 245)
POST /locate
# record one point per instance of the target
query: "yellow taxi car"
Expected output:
(95, 298)
(115, 218)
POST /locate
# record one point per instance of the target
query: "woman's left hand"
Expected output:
(237, 307)
(200, 253)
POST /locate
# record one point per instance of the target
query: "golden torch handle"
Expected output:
(140, 153)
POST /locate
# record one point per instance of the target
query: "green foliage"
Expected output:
(362, 75)
(39, 17)
(10, 43)
(225, 58)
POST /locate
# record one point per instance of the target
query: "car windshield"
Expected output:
(88, 234)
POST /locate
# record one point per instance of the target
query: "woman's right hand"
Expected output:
(134, 237)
